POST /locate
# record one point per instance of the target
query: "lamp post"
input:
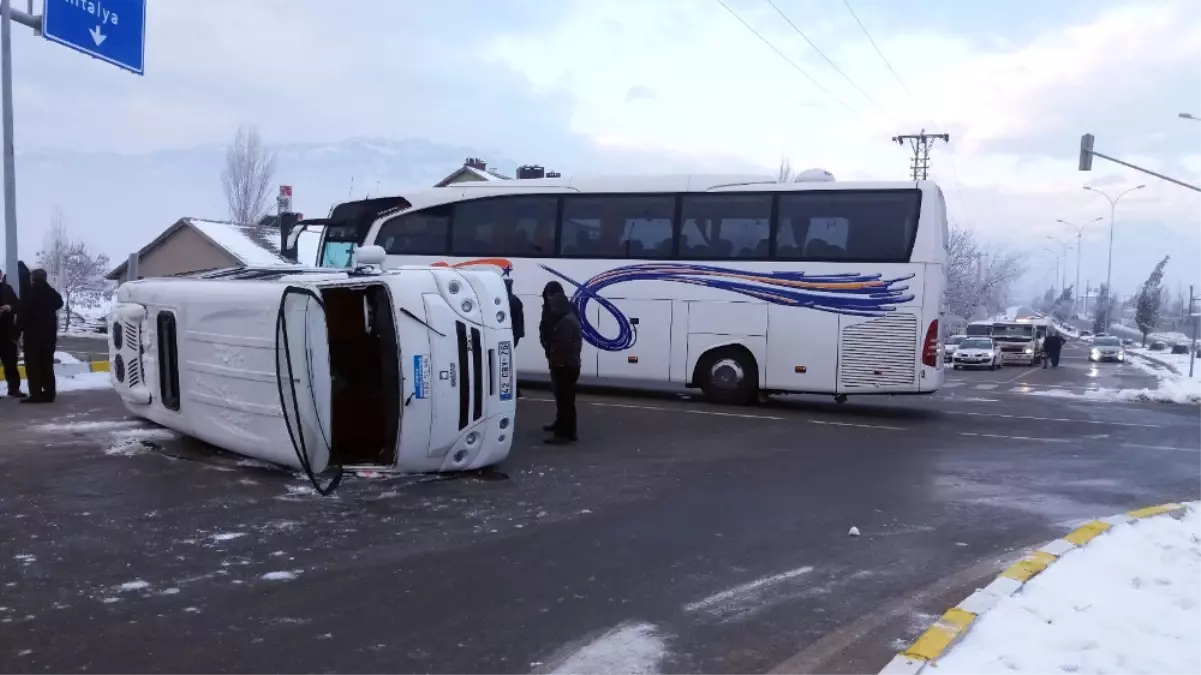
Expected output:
(1113, 207)
(1063, 284)
(1079, 229)
(1189, 116)
(1054, 279)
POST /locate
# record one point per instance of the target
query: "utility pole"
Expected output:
(919, 165)
(1193, 315)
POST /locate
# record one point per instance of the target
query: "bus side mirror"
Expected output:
(294, 236)
(370, 255)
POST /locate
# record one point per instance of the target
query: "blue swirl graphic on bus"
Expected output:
(854, 294)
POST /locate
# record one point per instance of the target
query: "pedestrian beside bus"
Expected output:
(1052, 345)
(38, 318)
(563, 341)
(8, 337)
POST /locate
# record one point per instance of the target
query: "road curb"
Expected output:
(956, 621)
(69, 369)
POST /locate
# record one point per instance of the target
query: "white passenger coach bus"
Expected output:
(733, 284)
(404, 370)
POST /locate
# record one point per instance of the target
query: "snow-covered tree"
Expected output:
(246, 178)
(75, 271)
(1150, 300)
(1103, 308)
(979, 277)
(1063, 305)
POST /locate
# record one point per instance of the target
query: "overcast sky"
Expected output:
(1015, 83)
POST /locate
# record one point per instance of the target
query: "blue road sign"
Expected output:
(110, 30)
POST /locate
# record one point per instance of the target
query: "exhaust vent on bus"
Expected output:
(879, 354)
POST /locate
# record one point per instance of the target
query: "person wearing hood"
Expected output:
(38, 318)
(8, 337)
(563, 341)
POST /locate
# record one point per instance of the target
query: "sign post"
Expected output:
(284, 201)
(113, 31)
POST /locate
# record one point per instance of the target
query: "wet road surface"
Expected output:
(721, 532)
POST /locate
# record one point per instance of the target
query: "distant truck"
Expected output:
(1021, 341)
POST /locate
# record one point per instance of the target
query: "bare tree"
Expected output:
(55, 243)
(784, 172)
(979, 277)
(73, 269)
(246, 178)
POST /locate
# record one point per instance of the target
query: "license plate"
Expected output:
(505, 353)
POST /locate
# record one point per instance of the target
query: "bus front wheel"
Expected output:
(729, 375)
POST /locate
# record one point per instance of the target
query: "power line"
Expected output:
(892, 70)
(785, 57)
(827, 59)
(916, 102)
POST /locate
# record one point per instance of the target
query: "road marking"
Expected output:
(1159, 447)
(1049, 419)
(860, 426)
(986, 386)
(744, 592)
(714, 413)
(1017, 438)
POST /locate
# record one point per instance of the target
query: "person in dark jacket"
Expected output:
(8, 337)
(38, 318)
(1052, 345)
(544, 324)
(564, 342)
(517, 318)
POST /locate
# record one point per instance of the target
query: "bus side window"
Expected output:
(726, 227)
(420, 233)
(850, 225)
(505, 226)
(618, 226)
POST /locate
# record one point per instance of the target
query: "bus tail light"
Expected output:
(930, 348)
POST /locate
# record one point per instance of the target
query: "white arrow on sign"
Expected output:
(97, 36)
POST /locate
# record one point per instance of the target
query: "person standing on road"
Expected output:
(38, 318)
(563, 340)
(1052, 345)
(8, 337)
(517, 318)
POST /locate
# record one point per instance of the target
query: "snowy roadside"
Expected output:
(1127, 601)
(80, 382)
(1174, 387)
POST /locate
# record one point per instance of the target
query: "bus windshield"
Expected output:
(1013, 332)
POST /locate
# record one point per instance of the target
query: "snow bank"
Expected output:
(1169, 391)
(1127, 602)
(633, 648)
(65, 358)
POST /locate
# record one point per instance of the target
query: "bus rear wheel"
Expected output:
(729, 376)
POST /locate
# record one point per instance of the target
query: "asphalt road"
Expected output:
(85, 348)
(720, 532)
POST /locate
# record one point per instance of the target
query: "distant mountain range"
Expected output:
(119, 203)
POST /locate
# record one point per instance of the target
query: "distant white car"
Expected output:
(1107, 348)
(977, 352)
(1086, 336)
(951, 345)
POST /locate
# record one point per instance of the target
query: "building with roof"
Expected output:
(474, 169)
(194, 244)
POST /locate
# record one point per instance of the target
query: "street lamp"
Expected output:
(1113, 207)
(1054, 279)
(1079, 229)
(1066, 246)
(1189, 116)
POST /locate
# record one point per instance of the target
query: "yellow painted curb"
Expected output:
(93, 366)
(956, 621)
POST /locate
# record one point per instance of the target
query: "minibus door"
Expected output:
(302, 354)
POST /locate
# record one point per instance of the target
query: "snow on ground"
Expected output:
(1173, 387)
(1127, 602)
(633, 648)
(65, 358)
(77, 382)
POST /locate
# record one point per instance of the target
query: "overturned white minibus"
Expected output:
(405, 370)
